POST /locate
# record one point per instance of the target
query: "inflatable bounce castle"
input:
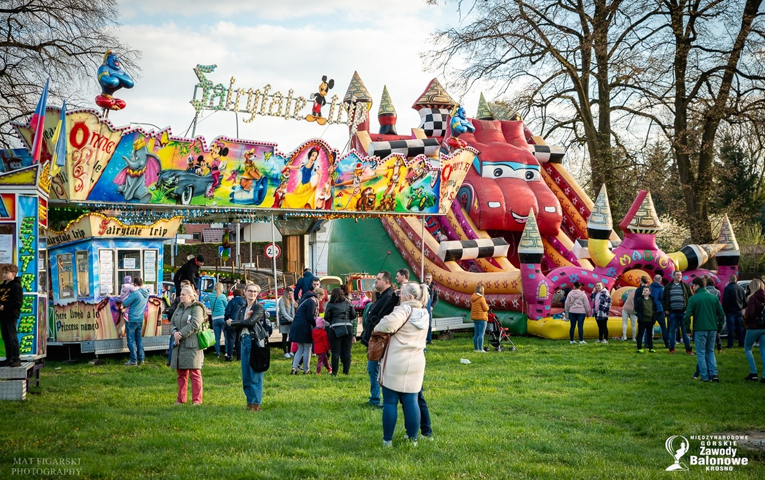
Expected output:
(520, 225)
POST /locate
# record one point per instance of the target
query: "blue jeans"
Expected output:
(170, 349)
(424, 415)
(230, 341)
(478, 331)
(576, 320)
(390, 413)
(664, 332)
(705, 353)
(735, 325)
(374, 386)
(675, 322)
(252, 382)
(218, 325)
(751, 337)
(134, 340)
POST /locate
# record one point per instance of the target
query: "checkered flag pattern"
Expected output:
(549, 153)
(434, 121)
(455, 250)
(409, 148)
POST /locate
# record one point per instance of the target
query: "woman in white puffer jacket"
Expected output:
(402, 368)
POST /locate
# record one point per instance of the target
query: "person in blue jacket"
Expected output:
(232, 310)
(303, 285)
(218, 303)
(136, 303)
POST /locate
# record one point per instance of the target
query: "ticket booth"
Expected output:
(23, 218)
(89, 261)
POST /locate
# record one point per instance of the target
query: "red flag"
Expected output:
(37, 123)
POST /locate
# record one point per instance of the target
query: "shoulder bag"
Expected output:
(260, 354)
(205, 337)
(378, 342)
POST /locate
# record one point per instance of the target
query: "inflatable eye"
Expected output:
(497, 172)
(532, 176)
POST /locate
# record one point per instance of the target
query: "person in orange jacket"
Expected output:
(479, 313)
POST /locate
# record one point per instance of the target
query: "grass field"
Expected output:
(548, 410)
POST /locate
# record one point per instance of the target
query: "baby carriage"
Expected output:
(499, 334)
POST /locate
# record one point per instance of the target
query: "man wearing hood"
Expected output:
(11, 297)
(657, 293)
(136, 303)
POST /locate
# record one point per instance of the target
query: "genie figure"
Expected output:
(141, 171)
(112, 77)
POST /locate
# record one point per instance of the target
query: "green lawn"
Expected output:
(548, 410)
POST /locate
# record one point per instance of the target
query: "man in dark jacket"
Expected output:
(303, 285)
(189, 271)
(432, 302)
(11, 298)
(708, 318)
(734, 302)
(674, 300)
(385, 301)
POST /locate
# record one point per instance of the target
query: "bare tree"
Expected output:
(709, 70)
(64, 40)
(577, 59)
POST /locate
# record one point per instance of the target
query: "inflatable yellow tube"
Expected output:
(555, 329)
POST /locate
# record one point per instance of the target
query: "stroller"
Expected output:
(499, 334)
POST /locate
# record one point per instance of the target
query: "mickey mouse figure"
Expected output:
(319, 101)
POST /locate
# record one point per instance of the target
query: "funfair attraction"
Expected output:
(473, 201)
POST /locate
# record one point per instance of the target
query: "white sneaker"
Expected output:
(604, 341)
(597, 341)
(624, 337)
(287, 355)
(582, 341)
(572, 342)
(387, 443)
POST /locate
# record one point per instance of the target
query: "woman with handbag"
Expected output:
(340, 316)
(218, 303)
(247, 317)
(402, 367)
(286, 306)
(187, 356)
(300, 333)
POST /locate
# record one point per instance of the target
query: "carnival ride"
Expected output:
(520, 225)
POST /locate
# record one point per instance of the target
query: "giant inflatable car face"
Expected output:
(505, 181)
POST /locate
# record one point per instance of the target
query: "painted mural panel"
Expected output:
(110, 164)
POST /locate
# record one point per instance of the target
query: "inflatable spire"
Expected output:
(484, 113)
(434, 96)
(599, 227)
(536, 289)
(386, 114)
(641, 217)
(727, 258)
(358, 95)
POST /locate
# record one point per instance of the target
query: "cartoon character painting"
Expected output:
(308, 176)
(141, 171)
(112, 77)
(505, 182)
(217, 153)
(319, 100)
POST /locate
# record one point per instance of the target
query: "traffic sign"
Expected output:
(273, 251)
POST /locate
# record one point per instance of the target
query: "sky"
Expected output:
(289, 44)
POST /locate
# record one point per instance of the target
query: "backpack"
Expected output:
(260, 355)
(761, 319)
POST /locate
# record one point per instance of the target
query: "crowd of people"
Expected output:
(681, 310)
(403, 310)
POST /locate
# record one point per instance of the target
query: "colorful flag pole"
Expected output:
(59, 144)
(37, 123)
